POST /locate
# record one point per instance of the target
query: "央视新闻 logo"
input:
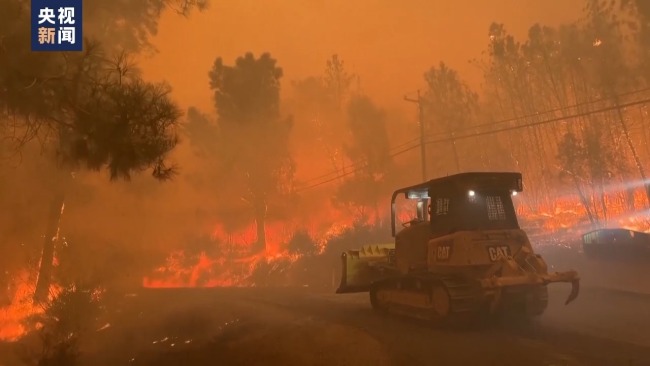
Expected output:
(56, 25)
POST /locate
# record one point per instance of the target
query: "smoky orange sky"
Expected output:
(389, 44)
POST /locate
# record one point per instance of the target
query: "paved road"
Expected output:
(297, 327)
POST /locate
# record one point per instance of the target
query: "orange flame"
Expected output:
(21, 307)
(234, 269)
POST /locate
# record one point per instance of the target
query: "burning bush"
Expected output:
(303, 244)
(66, 319)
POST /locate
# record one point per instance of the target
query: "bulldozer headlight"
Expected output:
(514, 193)
(471, 193)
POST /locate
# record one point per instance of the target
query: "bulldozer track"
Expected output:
(465, 302)
(462, 303)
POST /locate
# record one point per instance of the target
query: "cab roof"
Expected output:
(509, 181)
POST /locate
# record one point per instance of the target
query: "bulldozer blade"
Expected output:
(361, 268)
(575, 290)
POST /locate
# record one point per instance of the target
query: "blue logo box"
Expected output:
(57, 25)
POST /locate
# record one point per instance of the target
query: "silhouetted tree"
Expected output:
(322, 99)
(202, 132)
(316, 106)
(253, 135)
(612, 74)
(370, 150)
(337, 80)
(129, 25)
(303, 244)
(451, 105)
(89, 107)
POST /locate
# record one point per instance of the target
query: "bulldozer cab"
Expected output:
(462, 202)
(466, 202)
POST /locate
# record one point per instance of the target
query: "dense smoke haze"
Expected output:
(389, 45)
(249, 143)
(340, 92)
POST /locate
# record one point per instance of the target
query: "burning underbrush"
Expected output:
(301, 260)
(304, 258)
(18, 306)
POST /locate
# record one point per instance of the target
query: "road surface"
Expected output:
(298, 327)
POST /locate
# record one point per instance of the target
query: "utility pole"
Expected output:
(421, 121)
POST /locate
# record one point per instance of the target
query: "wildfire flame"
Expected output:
(564, 213)
(21, 306)
(235, 267)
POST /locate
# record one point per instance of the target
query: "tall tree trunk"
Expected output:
(603, 199)
(260, 222)
(630, 144)
(645, 127)
(585, 202)
(42, 292)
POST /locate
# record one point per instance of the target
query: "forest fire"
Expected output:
(235, 266)
(12, 316)
(21, 307)
(203, 271)
(233, 263)
(229, 263)
(204, 185)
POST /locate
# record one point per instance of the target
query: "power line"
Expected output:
(455, 138)
(350, 172)
(559, 109)
(423, 153)
(357, 164)
(538, 123)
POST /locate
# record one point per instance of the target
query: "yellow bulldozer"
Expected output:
(463, 256)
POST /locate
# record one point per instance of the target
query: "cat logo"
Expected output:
(443, 252)
(498, 252)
